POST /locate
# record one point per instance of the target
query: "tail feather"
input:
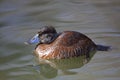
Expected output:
(103, 48)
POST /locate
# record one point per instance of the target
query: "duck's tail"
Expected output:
(103, 48)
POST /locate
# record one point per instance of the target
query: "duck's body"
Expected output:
(67, 44)
(64, 45)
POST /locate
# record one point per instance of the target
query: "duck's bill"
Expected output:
(34, 40)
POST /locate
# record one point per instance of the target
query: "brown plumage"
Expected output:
(68, 44)
(53, 45)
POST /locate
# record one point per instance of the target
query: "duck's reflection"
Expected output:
(49, 68)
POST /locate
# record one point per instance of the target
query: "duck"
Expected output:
(61, 45)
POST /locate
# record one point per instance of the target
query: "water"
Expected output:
(20, 19)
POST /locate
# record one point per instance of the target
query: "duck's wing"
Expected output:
(70, 44)
(71, 38)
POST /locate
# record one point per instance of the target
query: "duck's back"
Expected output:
(67, 44)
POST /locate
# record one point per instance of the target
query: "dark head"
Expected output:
(46, 35)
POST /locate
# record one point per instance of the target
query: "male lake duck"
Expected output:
(67, 44)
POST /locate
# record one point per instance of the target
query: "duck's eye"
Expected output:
(43, 36)
(48, 36)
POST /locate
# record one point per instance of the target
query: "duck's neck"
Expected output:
(55, 36)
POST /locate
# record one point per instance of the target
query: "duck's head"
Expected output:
(46, 35)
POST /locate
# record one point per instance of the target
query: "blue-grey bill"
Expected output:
(34, 40)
